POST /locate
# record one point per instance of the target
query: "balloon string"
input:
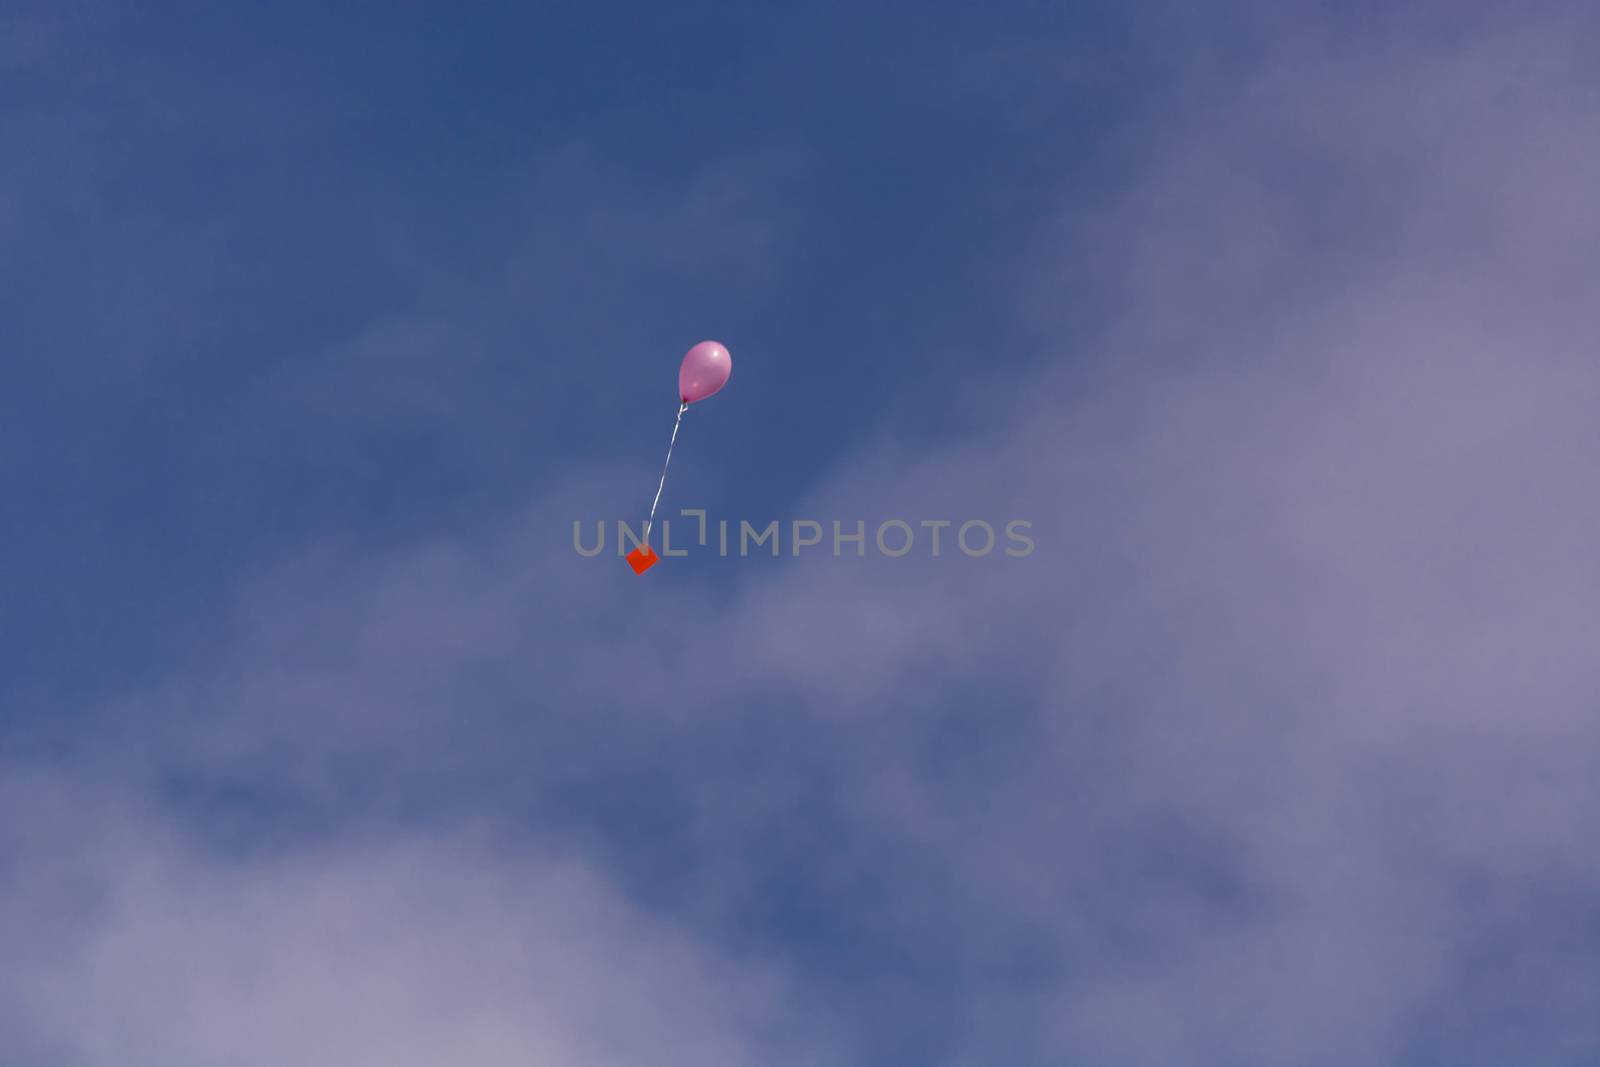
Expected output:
(651, 520)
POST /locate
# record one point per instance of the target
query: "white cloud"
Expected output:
(1305, 651)
(125, 943)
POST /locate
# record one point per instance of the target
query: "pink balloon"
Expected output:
(705, 369)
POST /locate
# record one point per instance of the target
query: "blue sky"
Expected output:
(321, 327)
(239, 193)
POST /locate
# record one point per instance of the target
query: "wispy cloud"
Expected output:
(126, 943)
(1279, 749)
